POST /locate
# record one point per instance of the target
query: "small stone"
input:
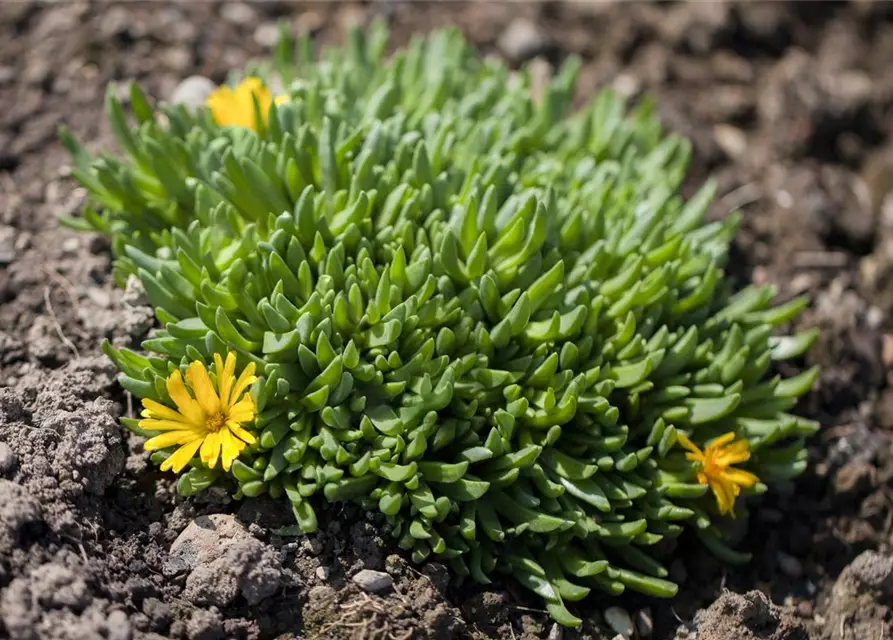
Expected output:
(237, 13)
(36, 72)
(71, 245)
(556, 632)
(266, 34)
(644, 622)
(100, 297)
(323, 573)
(619, 621)
(626, 85)
(7, 74)
(854, 479)
(731, 140)
(350, 16)
(134, 293)
(373, 581)
(193, 91)
(887, 351)
(177, 58)
(697, 28)
(764, 23)
(309, 22)
(7, 245)
(522, 40)
(791, 567)
(315, 546)
(118, 626)
(874, 317)
(7, 458)
(23, 242)
(115, 21)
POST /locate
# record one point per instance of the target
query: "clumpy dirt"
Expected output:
(789, 107)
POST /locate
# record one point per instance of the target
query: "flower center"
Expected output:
(711, 466)
(215, 422)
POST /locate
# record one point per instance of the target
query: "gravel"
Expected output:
(373, 581)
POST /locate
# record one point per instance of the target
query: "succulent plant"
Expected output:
(498, 325)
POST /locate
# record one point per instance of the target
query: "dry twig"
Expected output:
(49, 306)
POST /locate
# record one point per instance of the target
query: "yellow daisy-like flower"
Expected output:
(716, 470)
(209, 418)
(235, 106)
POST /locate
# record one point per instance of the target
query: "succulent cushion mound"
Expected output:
(492, 322)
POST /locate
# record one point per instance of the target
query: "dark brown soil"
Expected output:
(790, 108)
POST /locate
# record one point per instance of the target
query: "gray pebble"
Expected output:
(7, 458)
(266, 34)
(7, 245)
(373, 581)
(118, 626)
(193, 92)
(522, 40)
(134, 293)
(644, 623)
(619, 621)
(314, 546)
(71, 245)
(790, 565)
(237, 13)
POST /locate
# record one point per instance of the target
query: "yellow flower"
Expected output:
(716, 460)
(235, 107)
(208, 418)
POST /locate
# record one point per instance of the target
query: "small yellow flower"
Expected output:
(208, 418)
(235, 107)
(716, 460)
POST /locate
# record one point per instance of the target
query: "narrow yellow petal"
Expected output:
(731, 491)
(158, 410)
(241, 433)
(198, 378)
(218, 370)
(688, 444)
(225, 377)
(722, 499)
(727, 460)
(246, 379)
(181, 456)
(187, 405)
(169, 439)
(722, 440)
(154, 424)
(741, 477)
(231, 448)
(211, 449)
